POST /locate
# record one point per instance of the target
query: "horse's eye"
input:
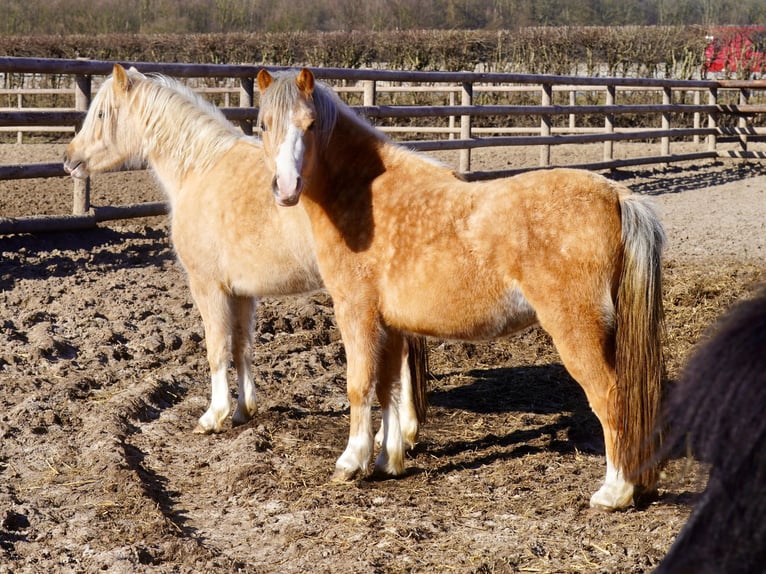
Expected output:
(263, 127)
(101, 114)
(311, 127)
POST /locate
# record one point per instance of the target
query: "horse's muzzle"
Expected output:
(74, 167)
(286, 199)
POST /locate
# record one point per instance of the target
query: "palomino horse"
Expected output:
(234, 243)
(404, 245)
(716, 411)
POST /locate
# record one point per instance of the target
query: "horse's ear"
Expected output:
(134, 70)
(305, 81)
(264, 79)
(122, 82)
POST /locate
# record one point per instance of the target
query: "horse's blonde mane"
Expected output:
(185, 125)
(179, 123)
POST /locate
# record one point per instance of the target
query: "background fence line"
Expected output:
(459, 133)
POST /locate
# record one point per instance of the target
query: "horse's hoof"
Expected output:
(238, 421)
(344, 475)
(389, 467)
(611, 498)
(384, 472)
(202, 429)
(243, 415)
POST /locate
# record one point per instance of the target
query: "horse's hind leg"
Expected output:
(408, 416)
(216, 309)
(584, 339)
(242, 351)
(393, 370)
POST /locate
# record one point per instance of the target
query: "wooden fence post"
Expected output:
(667, 97)
(611, 96)
(451, 121)
(712, 99)
(572, 117)
(465, 128)
(369, 96)
(20, 105)
(546, 99)
(81, 193)
(744, 97)
(369, 93)
(697, 115)
(246, 100)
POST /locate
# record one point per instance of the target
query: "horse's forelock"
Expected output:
(282, 94)
(102, 106)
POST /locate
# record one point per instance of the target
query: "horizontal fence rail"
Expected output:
(710, 120)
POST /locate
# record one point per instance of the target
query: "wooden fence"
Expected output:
(714, 119)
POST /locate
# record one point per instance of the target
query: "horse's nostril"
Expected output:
(299, 183)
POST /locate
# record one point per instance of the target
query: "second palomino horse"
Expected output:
(234, 243)
(405, 246)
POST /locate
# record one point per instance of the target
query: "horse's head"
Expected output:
(287, 118)
(107, 138)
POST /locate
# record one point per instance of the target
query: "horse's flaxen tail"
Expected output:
(639, 337)
(417, 360)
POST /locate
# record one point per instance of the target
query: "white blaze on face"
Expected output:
(289, 161)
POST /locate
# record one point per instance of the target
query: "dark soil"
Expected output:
(103, 376)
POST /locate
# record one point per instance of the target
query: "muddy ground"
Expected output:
(103, 376)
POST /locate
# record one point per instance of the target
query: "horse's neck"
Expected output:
(177, 149)
(353, 155)
(171, 170)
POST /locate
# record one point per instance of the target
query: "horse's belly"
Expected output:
(466, 315)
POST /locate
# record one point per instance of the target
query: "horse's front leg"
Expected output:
(216, 310)
(362, 338)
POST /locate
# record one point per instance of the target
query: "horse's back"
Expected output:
(495, 250)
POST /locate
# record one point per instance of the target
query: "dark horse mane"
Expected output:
(717, 412)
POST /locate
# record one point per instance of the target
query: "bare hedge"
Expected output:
(628, 51)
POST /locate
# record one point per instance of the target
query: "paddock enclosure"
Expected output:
(103, 376)
(463, 112)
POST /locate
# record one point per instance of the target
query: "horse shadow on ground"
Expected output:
(555, 415)
(549, 404)
(61, 254)
(677, 179)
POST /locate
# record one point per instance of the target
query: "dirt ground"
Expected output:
(103, 376)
